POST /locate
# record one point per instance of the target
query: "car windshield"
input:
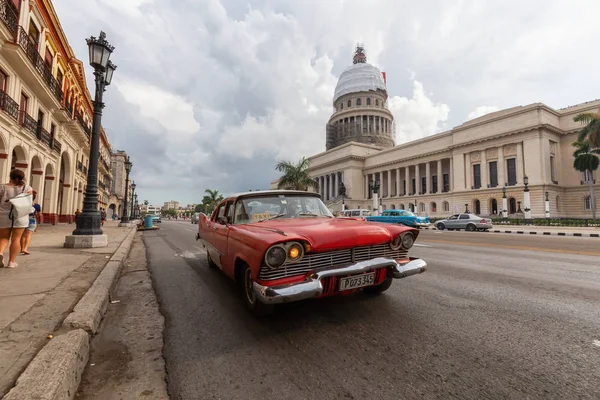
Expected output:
(407, 213)
(271, 206)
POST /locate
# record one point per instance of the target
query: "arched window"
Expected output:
(512, 205)
(401, 206)
(477, 206)
(358, 102)
(493, 206)
(377, 102)
(587, 203)
(393, 206)
(446, 206)
(349, 103)
(368, 101)
(433, 207)
(342, 105)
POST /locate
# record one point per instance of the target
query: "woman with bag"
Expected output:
(16, 203)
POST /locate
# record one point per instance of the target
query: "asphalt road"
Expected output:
(496, 316)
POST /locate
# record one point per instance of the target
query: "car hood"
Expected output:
(423, 219)
(324, 233)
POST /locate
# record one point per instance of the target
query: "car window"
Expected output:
(258, 208)
(454, 217)
(464, 216)
(356, 213)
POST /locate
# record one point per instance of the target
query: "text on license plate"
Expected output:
(357, 281)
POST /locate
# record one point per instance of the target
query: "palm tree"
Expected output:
(587, 160)
(213, 197)
(591, 130)
(295, 176)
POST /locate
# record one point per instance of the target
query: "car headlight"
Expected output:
(408, 240)
(275, 257)
(396, 243)
(295, 251)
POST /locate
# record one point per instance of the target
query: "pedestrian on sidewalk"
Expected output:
(34, 220)
(12, 229)
(103, 216)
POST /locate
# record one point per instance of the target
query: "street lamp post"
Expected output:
(375, 188)
(131, 215)
(88, 232)
(125, 217)
(466, 208)
(526, 200)
(504, 203)
(547, 201)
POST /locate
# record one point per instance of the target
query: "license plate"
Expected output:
(357, 281)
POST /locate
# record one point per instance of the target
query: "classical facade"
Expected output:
(119, 174)
(466, 168)
(45, 110)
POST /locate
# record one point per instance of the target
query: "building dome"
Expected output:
(359, 77)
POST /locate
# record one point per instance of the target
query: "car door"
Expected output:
(208, 233)
(463, 221)
(221, 232)
(452, 222)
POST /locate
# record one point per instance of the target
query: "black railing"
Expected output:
(83, 124)
(55, 145)
(84, 170)
(69, 109)
(36, 59)
(43, 135)
(10, 106)
(9, 15)
(28, 122)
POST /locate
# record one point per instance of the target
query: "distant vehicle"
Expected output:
(156, 219)
(283, 246)
(195, 218)
(403, 217)
(357, 213)
(468, 222)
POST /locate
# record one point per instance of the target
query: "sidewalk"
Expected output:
(543, 230)
(37, 295)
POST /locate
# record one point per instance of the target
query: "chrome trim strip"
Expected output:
(312, 286)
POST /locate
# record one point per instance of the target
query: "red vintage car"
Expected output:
(283, 246)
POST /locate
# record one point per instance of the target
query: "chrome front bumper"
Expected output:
(312, 286)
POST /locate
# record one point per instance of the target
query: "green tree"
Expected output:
(212, 198)
(295, 176)
(587, 161)
(591, 130)
(199, 208)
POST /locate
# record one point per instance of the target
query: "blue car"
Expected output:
(400, 217)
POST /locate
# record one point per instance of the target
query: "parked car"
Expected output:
(195, 218)
(403, 217)
(156, 219)
(468, 222)
(284, 245)
(357, 213)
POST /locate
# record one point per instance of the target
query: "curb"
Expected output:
(55, 372)
(595, 235)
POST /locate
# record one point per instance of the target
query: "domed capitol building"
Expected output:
(465, 167)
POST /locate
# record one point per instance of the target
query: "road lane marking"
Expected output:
(526, 248)
(422, 245)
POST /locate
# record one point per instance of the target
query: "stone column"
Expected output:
(468, 173)
(428, 178)
(366, 186)
(520, 172)
(501, 165)
(331, 186)
(397, 173)
(336, 188)
(407, 179)
(417, 179)
(451, 175)
(484, 170)
(440, 177)
(389, 183)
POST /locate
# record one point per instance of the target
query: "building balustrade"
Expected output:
(43, 135)
(27, 122)
(30, 49)
(69, 109)
(83, 124)
(9, 15)
(10, 106)
(56, 146)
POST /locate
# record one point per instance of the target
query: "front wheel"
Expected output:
(382, 287)
(252, 302)
(440, 226)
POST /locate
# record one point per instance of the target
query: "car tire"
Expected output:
(209, 260)
(253, 304)
(471, 228)
(440, 226)
(382, 287)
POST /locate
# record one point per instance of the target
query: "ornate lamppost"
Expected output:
(547, 208)
(89, 221)
(125, 217)
(504, 203)
(466, 208)
(375, 185)
(132, 215)
(526, 200)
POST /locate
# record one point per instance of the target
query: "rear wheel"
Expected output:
(471, 228)
(252, 302)
(441, 226)
(382, 287)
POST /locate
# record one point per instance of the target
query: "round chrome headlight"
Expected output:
(396, 243)
(275, 257)
(408, 240)
(295, 251)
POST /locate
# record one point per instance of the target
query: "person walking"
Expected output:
(103, 215)
(34, 220)
(11, 229)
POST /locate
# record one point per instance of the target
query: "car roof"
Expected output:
(259, 193)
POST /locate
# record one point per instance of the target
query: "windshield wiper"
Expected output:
(308, 213)
(273, 217)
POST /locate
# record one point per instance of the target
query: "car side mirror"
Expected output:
(222, 220)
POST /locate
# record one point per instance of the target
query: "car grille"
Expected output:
(337, 258)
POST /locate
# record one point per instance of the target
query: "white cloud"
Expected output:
(481, 111)
(418, 116)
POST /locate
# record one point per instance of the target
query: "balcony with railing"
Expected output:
(56, 146)
(10, 17)
(8, 105)
(27, 122)
(83, 124)
(43, 135)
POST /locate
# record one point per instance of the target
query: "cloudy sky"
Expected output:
(210, 94)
